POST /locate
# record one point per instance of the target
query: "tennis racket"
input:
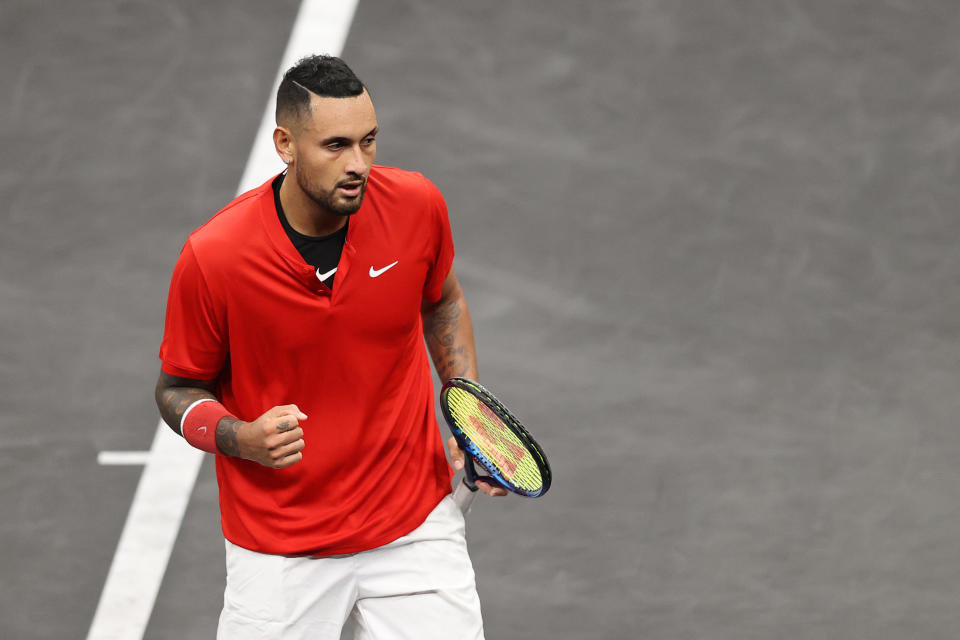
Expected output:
(495, 439)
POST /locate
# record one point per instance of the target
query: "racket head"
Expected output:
(495, 438)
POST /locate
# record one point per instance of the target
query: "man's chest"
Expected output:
(376, 295)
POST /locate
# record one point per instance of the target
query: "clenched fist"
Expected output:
(275, 439)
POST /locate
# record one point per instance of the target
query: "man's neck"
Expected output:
(305, 215)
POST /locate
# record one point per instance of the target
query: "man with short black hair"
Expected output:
(297, 315)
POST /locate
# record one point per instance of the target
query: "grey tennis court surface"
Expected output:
(711, 251)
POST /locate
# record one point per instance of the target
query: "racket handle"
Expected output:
(463, 496)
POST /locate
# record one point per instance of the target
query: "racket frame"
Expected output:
(470, 477)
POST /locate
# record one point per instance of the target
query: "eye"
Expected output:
(369, 141)
(335, 146)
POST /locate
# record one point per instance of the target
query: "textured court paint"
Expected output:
(172, 466)
(750, 406)
(709, 251)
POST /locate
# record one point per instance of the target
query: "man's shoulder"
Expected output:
(407, 187)
(395, 178)
(237, 219)
(395, 175)
(217, 243)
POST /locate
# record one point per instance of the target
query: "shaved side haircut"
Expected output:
(326, 76)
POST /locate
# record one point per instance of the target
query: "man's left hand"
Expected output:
(457, 458)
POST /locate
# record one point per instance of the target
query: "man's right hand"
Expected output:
(275, 439)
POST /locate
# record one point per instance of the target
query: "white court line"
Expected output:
(172, 465)
(147, 539)
(109, 458)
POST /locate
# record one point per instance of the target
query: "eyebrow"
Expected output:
(343, 139)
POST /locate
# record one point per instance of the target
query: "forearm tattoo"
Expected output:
(442, 330)
(227, 430)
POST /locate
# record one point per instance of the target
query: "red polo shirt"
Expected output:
(245, 307)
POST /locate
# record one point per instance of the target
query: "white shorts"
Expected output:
(419, 586)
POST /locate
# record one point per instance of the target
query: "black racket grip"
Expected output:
(464, 498)
(469, 472)
(470, 477)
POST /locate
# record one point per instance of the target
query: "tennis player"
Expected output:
(293, 349)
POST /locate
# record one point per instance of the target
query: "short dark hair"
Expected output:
(326, 76)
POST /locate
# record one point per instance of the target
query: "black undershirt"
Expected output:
(321, 252)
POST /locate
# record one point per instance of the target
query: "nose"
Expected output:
(356, 162)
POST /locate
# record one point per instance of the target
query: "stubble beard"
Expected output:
(328, 200)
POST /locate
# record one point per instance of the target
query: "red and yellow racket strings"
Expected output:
(494, 440)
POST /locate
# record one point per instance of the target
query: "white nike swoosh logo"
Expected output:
(324, 276)
(376, 272)
(203, 429)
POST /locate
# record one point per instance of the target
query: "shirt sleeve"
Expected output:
(442, 259)
(194, 344)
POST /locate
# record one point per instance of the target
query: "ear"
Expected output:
(285, 144)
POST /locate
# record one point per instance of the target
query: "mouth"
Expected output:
(352, 188)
